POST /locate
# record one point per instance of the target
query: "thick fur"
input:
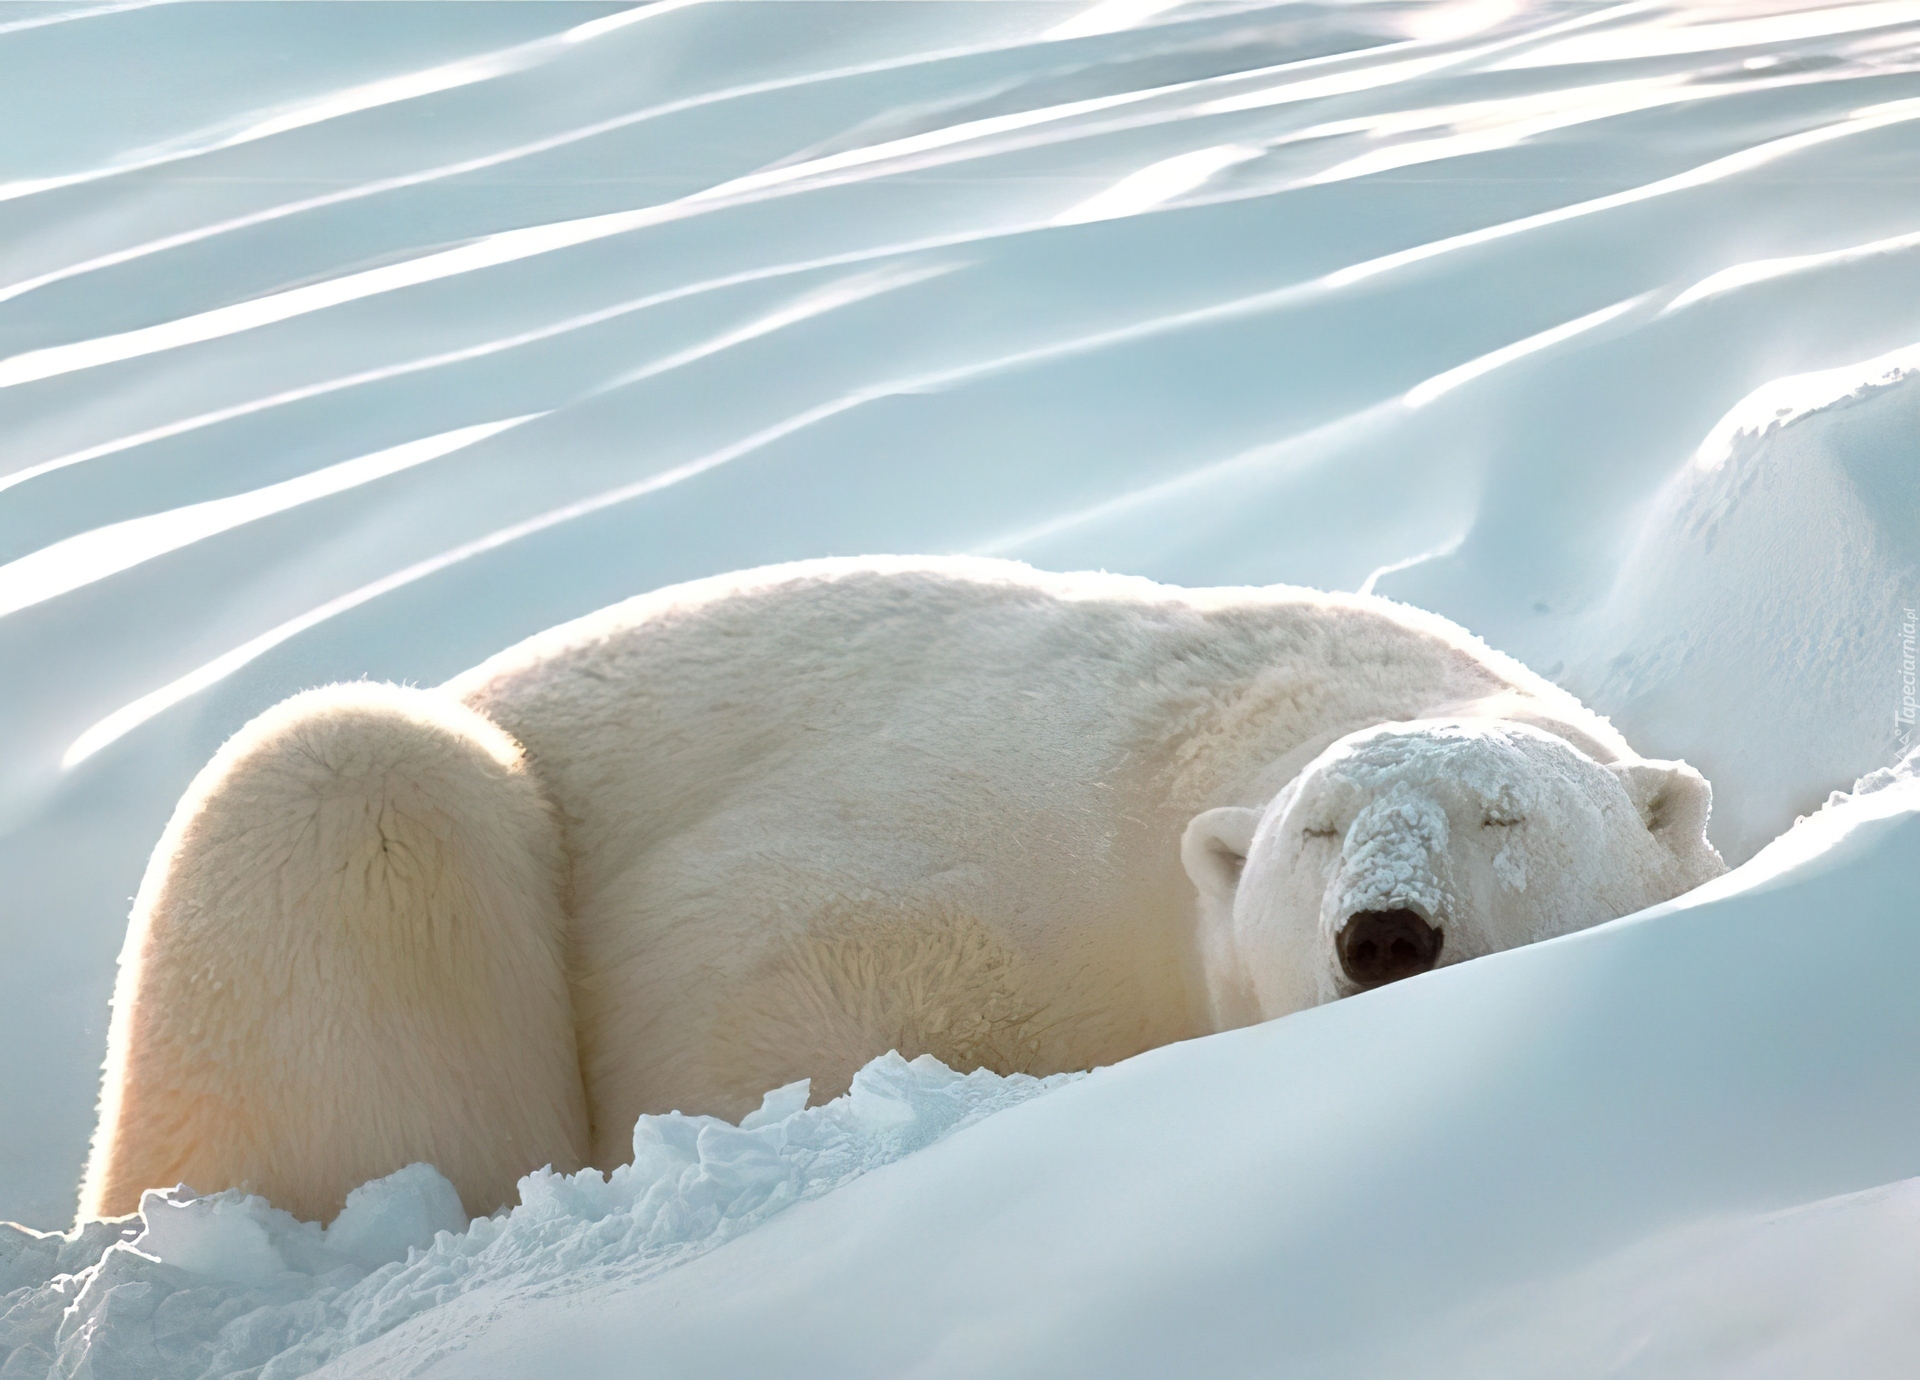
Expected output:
(811, 813)
(348, 954)
(822, 810)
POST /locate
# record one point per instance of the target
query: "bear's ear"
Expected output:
(1215, 847)
(1673, 799)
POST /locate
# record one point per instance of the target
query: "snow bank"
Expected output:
(228, 1285)
(1765, 617)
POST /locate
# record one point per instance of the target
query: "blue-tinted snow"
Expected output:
(227, 1285)
(1446, 297)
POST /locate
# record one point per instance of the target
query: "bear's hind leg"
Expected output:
(348, 954)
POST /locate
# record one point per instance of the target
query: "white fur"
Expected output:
(348, 954)
(816, 811)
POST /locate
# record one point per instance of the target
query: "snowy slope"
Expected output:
(365, 342)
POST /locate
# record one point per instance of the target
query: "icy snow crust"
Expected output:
(1398, 841)
(228, 1285)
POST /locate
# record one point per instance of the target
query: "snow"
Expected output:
(1396, 844)
(229, 1285)
(1772, 577)
(367, 342)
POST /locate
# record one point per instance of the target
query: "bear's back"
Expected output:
(922, 711)
(907, 673)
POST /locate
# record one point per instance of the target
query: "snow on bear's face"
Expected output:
(1410, 846)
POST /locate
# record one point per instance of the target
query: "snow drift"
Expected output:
(1777, 572)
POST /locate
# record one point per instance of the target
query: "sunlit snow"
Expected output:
(364, 341)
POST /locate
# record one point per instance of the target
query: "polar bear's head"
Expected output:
(1410, 846)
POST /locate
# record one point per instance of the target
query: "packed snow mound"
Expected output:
(1766, 615)
(229, 1285)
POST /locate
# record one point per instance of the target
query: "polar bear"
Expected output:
(767, 826)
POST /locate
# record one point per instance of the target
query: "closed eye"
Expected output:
(1492, 822)
(1319, 833)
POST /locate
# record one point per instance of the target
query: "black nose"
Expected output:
(1381, 946)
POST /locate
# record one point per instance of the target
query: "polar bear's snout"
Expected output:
(1384, 914)
(1381, 946)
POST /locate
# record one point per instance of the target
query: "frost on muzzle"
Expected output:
(1387, 902)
